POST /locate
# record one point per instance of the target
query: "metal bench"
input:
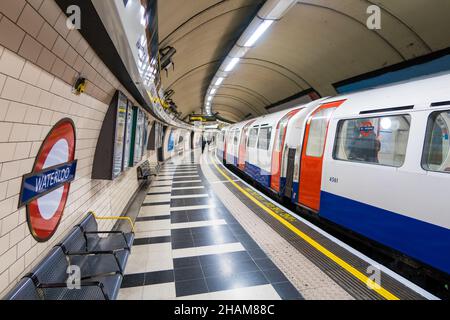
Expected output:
(79, 252)
(114, 240)
(146, 170)
(49, 281)
(101, 261)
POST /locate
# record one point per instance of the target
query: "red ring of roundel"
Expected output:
(41, 229)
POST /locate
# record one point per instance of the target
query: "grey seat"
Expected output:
(24, 290)
(115, 239)
(92, 262)
(50, 278)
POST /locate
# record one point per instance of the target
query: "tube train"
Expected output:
(376, 162)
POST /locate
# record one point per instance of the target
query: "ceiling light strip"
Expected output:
(271, 11)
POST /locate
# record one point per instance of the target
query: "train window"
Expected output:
(377, 140)
(279, 138)
(253, 137)
(264, 138)
(436, 155)
(236, 137)
(318, 132)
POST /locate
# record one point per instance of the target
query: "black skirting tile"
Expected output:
(157, 193)
(186, 184)
(147, 278)
(149, 204)
(152, 240)
(190, 287)
(186, 192)
(166, 217)
(189, 202)
(133, 280)
(185, 174)
(158, 277)
(233, 281)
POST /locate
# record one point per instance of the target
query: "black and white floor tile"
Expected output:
(189, 246)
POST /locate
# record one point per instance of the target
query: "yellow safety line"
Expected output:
(114, 218)
(360, 276)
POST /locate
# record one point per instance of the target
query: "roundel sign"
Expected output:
(366, 128)
(45, 190)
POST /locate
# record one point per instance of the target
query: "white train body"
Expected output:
(376, 162)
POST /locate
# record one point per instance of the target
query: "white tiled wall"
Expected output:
(31, 101)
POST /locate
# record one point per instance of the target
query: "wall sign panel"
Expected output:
(109, 153)
(45, 190)
(128, 136)
(119, 139)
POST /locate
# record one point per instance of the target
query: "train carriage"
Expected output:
(384, 147)
(357, 159)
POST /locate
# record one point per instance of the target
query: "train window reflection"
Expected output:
(264, 138)
(236, 137)
(436, 155)
(377, 140)
(253, 137)
(318, 132)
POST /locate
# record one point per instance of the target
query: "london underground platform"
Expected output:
(203, 233)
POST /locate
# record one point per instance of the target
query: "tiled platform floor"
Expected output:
(189, 246)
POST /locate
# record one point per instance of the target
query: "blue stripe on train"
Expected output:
(282, 185)
(258, 174)
(295, 186)
(421, 240)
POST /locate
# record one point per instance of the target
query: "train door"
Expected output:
(252, 158)
(312, 155)
(264, 155)
(277, 154)
(243, 146)
(236, 139)
(225, 138)
(290, 173)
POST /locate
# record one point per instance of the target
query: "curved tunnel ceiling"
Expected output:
(317, 43)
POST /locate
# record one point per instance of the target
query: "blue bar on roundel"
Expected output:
(38, 184)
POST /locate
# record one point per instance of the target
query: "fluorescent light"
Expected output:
(281, 8)
(213, 91)
(219, 81)
(143, 17)
(258, 32)
(232, 64)
(210, 98)
(386, 123)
